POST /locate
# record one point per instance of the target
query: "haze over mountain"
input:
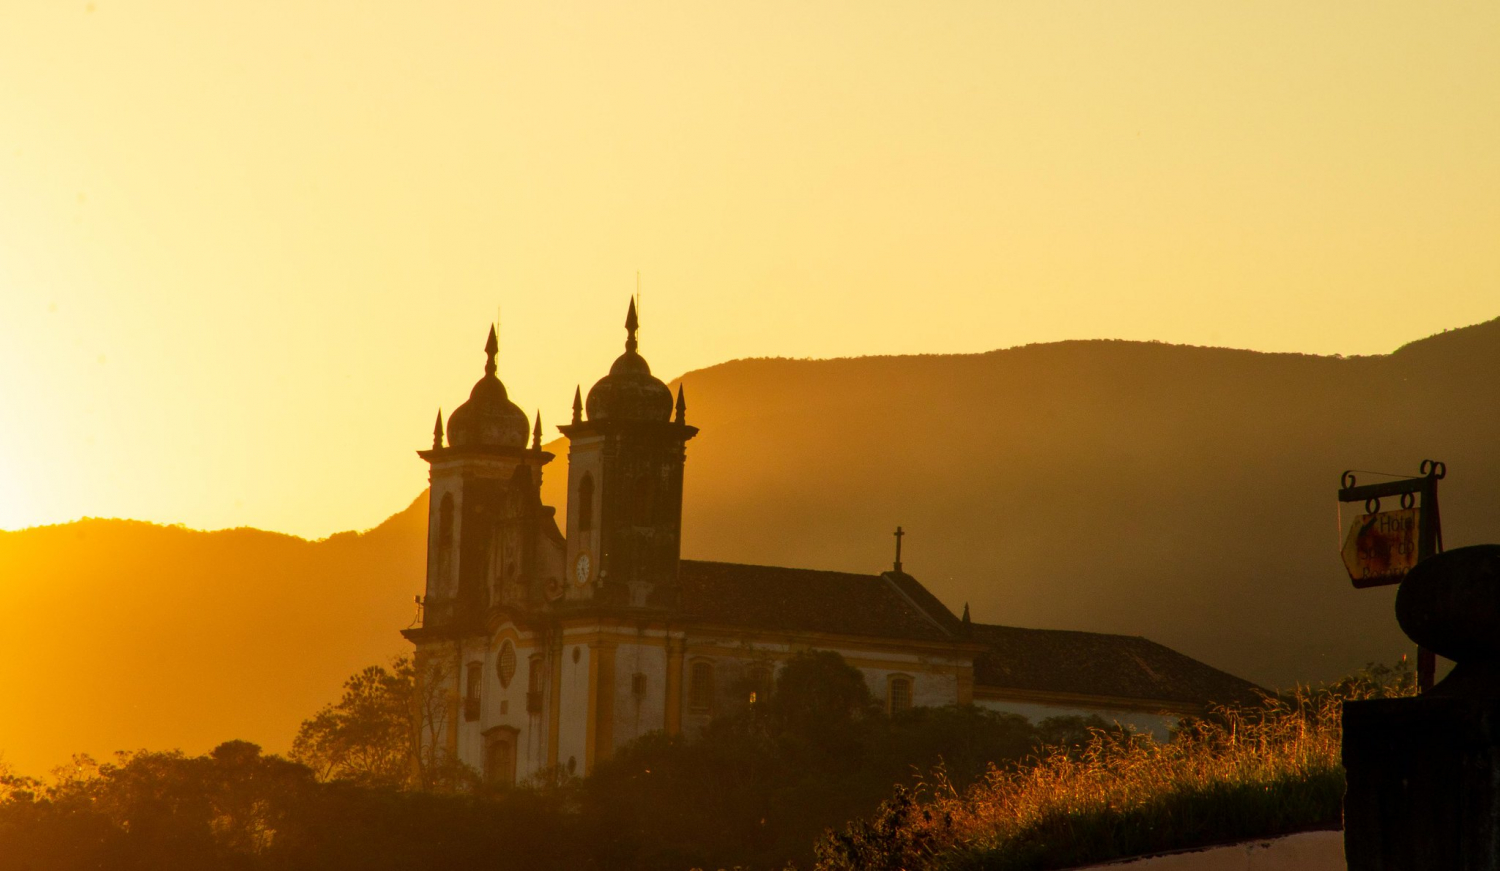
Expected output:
(1181, 493)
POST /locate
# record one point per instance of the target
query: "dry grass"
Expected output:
(1236, 775)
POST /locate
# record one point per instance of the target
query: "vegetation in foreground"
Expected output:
(1237, 775)
(755, 790)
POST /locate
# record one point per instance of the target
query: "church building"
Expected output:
(558, 640)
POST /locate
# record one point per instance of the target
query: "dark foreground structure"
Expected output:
(1424, 773)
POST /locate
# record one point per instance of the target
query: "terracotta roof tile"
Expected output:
(1090, 663)
(770, 598)
(803, 600)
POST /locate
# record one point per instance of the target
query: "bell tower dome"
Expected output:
(486, 522)
(625, 465)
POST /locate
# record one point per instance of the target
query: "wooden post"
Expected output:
(1429, 542)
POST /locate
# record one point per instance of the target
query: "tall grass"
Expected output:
(1235, 775)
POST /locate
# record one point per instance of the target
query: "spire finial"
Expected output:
(491, 348)
(536, 432)
(437, 431)
(967, 625)
(899, 534)
(578, 404)
(632, 323)
(681, 405)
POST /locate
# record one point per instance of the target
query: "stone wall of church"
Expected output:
(935, 678)
(603, 686)
(502, 708)
(640, 687)
(573, 709)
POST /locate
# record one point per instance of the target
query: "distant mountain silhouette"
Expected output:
(121, 634)
(1181, 493)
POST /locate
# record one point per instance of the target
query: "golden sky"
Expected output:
(247, 249)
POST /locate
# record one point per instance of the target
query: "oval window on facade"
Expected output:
(505, 663)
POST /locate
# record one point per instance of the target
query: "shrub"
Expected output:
(1233, 775)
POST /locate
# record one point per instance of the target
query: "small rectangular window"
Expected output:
(900, 695)
(638, 684)
(474, 674)
(759, 679)
(701, 686)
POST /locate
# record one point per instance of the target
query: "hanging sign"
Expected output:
(1382, 547)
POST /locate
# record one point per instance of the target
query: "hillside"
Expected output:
(125, 634)
(1185, 494)
(1181, 493)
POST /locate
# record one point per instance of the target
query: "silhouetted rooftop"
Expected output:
(1091, 663)
(803, 600)
(896, 605)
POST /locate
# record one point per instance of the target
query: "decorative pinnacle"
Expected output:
(899, 534)
(536, 432)
(437, 431)
(681, 405)
(578, 404)
(966, 613)
(491, 348)
(632, 323)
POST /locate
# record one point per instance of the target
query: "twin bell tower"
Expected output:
(495, 551)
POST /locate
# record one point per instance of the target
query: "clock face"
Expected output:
(582, 568)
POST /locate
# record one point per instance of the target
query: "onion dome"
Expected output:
(489, 419)
(630, 391)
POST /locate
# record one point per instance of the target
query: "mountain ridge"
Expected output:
(1176, 492)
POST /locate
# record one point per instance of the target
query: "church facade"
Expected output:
(548, 644)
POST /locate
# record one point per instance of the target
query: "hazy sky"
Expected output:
(247, 249)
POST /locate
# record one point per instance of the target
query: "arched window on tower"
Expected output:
(443, 565)
(641, 501)
(445, 521)
(586, 503)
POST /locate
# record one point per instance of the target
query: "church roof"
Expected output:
(1092, 663)
(770, 598)
(895, 605)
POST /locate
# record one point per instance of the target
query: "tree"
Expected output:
(388, 730)
(821, 711)
(371, 735)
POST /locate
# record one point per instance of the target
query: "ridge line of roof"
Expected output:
(889, 578)
(979, 625)
(873, 577)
